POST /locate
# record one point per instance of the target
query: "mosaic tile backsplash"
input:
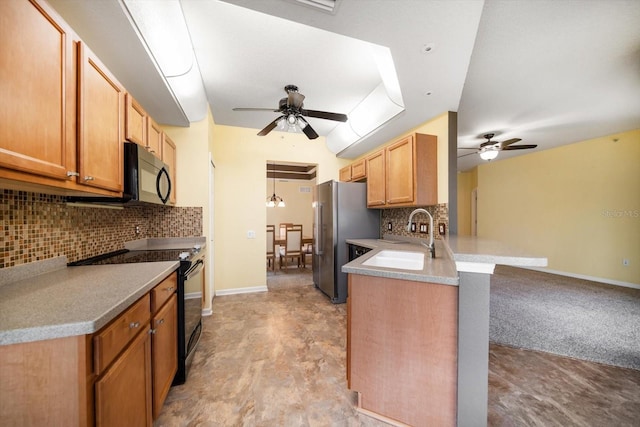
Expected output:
(39, 226)
(398, 218)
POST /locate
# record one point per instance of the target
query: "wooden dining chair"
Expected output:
(271, 247)
(292, 247)
(283, 228)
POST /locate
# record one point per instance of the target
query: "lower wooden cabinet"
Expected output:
(164, 344)
(123, 393)
(118, 376)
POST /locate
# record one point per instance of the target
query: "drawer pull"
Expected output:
(170, 289)
(71, 173)
(89, 178)
(134, 325)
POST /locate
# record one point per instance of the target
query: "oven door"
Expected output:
(193, 285)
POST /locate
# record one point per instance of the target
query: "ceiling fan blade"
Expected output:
(519, 147)
(468, 154)
(270, 126)
(467, 148)
(256, 109)
(509, 142)
(308, 130)
(295, 99)
(324, 115)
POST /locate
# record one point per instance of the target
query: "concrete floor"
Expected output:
(277, 358)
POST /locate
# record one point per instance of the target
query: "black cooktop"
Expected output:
(126, 256)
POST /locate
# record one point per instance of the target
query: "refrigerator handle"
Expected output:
(319, 224)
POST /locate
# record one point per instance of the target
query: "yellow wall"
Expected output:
(297, 208)
(579, 205)
(192, 168)
(241, 157)
(467, 181)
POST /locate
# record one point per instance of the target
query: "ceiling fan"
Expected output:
(292, 113)
(489, 149)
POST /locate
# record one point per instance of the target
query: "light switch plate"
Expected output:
(251, 234)
(413, 227)
(424, 228)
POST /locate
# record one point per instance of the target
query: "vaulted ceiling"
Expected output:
(550, 72)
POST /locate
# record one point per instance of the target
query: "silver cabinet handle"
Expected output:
(134, 325)
(160, 322)
(170, 289)
(88, 178)
(72, 173)
(152, 331)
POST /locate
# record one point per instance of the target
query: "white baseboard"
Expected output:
(585, 277)
(249, 290)
(193, 295)
(207, 312)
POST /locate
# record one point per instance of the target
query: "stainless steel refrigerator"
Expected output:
(340, 213)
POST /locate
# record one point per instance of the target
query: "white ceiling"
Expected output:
(548, 72)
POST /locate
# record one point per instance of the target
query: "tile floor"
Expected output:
(277, 358)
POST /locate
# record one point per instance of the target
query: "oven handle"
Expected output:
(194, 270)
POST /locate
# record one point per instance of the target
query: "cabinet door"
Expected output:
(400, 178)
(164, 351)
(376, 180)
(358, 170)
(135, 122)
(169, 157)
(37, 111)
(154, 138)
(123, 393)
(100, 124)
(345, 174)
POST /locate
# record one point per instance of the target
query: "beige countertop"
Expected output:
(453, 254)
(71, 301)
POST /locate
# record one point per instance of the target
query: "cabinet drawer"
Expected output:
(163, 291)
(112, 339)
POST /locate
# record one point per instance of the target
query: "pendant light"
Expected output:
(274, 200)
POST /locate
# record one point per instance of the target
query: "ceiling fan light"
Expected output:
(292, 119)
(489, 154)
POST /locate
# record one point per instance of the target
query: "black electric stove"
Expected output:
(189, 309)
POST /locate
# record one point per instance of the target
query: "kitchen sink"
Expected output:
(403, 260)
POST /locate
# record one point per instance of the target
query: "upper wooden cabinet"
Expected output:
(359, 170)
(404, 173)
(154, 138)
(100, 123)
(62, 116)
(356, 171)
(345, 174)
(169, 157)
(37, 112)
(135, 122)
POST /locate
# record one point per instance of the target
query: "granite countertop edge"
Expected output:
(39, 308)
(449, 251)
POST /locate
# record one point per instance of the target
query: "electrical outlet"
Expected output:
(251, 234)
(413, 227)
(625, 262)
(424, 228)
(442, 228)
(137, 229)
(389, 226)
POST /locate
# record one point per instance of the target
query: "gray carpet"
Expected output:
(566, 316)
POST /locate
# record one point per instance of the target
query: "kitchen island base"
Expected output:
(402, 349)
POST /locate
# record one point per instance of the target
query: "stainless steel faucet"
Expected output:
(431, 246)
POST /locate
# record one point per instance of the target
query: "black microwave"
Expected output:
(146, 179)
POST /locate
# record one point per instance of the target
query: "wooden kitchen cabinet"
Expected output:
(123, 393)
(37, 132)
(61, 131)
(345, 174)
(154, 138)
(118, 376)
(402, 345)
(164, 355)
(100, 123)
(359, 170)
(169, 157)
(135, 121)
(356, 171)
(404, 173)
(376, 192)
